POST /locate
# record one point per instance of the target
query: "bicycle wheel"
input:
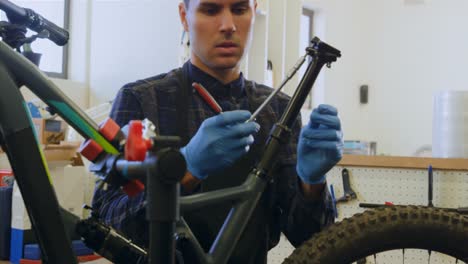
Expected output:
(384, 229)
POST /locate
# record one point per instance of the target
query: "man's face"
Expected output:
(220, 30)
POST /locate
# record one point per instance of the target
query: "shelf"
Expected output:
(404, 162)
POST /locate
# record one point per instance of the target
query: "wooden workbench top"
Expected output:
(404, 162)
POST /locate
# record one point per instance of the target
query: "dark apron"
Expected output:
(205, 223)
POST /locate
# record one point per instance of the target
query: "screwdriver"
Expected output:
(207, 97)
(290, 74)
(431, 179)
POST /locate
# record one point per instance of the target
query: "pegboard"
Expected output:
(399, 186)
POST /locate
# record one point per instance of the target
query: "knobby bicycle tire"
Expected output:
(383, 229)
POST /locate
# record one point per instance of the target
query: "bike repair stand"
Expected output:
(151, 158)
(164, 167)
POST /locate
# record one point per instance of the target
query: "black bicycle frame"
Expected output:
(32, 176)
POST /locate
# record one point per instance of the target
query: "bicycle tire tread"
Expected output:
(386, 228)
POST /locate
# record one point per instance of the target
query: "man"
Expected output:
(220, 149)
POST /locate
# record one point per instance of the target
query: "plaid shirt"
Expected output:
(143, 99)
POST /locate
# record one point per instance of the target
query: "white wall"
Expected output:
(129, 40)
(276, 39)
(76, 91)
(116, 42)
(132, 39)
(404, 53)
(79, 44)
(292, 52)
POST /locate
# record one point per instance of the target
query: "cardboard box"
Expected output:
(50, 131)
(65, 151)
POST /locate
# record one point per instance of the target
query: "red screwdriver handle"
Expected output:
(207, 97)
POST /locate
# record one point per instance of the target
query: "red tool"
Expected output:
(136, 146)
(207, 97)
(135, 150)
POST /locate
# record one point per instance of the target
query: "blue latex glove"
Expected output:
(320, 145)
(219, 141)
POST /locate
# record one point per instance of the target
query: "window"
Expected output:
(54, 59)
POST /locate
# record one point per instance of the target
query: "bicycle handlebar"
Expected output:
(34, 21)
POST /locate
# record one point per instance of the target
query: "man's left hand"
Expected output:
(320, 145)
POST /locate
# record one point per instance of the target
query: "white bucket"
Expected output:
(450, 124)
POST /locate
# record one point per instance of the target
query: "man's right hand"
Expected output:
(219, 142)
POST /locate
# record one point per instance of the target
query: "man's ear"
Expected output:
(183, 16)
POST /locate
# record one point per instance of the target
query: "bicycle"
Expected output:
(340, 243)
(17, 139)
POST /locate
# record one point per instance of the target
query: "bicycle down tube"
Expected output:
(31, 172)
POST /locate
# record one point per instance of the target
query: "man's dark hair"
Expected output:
(186, 2)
